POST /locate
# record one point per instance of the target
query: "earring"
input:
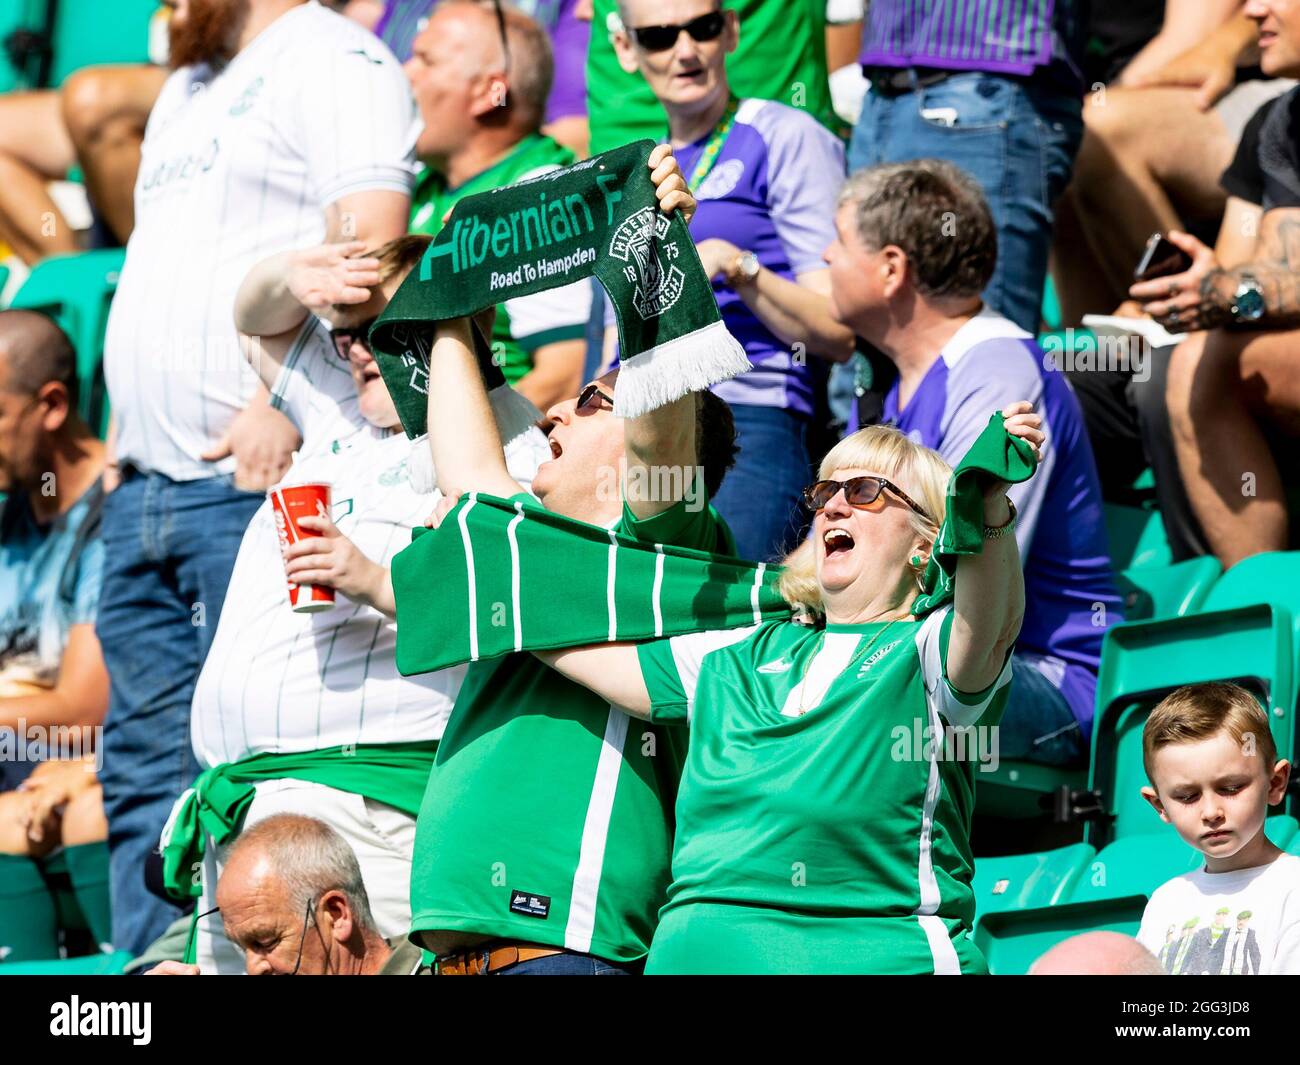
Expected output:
(916, 560)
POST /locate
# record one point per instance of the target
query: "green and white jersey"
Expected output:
(823, 818)
(549, 813)
(529, 322)
(279, 681)
(781, 56)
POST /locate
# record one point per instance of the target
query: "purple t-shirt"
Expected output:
(569, 39)
(1070, 595)
(1016, 37)
(772, 191)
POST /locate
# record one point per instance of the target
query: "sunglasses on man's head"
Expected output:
(661, 38)
(594, 398)
(859, 492)
(344, 337)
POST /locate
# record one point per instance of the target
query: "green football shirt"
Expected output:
(823, 818)
(781, 56)
(548, 816)
(522, 325)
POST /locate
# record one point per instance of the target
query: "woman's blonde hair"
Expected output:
(916, 469)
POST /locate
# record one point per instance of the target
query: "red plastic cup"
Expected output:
(289, 502)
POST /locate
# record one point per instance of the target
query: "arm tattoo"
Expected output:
(1277, 271)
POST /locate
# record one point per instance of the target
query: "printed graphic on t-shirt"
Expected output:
(1225, 946)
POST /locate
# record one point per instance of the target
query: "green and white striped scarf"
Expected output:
(596, 218)
(499, 576)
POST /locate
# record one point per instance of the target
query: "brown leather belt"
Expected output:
(479, 961)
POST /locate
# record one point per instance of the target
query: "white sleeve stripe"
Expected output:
(514, 574)
(469, 570)
(753, 592)
(690, 650)
(658, 589)
(385, 179)
(937, 691)
(612, 571)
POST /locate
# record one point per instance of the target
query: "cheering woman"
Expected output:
(823, 816)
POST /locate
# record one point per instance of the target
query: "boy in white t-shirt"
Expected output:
(1214, 773)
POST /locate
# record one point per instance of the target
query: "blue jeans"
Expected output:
(759, 496)
(169, 547)
(1038, 724)
(567, 964)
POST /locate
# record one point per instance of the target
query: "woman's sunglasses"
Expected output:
(859, 492)
(661, 38)
(344, 338)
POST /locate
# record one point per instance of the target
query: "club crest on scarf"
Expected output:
(638, 242)
(596, 218)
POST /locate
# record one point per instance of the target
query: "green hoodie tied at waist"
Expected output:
(392, 773)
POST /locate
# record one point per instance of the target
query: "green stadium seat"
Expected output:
(1012, 941)
(1143, 661)
(1137, 537)
(1062, 893)
(76, 290)
(90, 965)
(1022, 789)
(94, 33)
(1167, 591)
(1021, 881)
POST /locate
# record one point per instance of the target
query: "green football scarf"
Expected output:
(499, 576)
(996, 454)
(394, 773)
(596, 218)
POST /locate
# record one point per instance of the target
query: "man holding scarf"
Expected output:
(543, 841)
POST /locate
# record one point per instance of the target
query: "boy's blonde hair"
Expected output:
(916, 469)
(1198, 711)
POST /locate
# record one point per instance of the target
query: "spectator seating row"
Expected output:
(1246, 630)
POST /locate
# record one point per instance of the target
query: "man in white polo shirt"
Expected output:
(282, 682)
(283, 125)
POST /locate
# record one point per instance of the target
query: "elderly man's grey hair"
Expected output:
(309, 858)
(936, 213)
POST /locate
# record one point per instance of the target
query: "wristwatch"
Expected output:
(1247, 301)
(744, 268)
(996, 532)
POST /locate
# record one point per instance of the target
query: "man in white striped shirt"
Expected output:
(283, 682)
(283, 124)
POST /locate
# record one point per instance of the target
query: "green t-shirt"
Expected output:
(781, 55)
(832, 840)
(548, 816)
(526, 324)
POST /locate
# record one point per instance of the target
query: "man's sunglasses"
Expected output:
(344, 338)
(661, 38)
(593, 398)
(859, 492)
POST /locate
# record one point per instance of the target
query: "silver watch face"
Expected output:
(1248, 301)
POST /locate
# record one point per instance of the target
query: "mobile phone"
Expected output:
(1161, 258)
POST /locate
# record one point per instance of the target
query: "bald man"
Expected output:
(1097, 954)
(292, 898)
(53, 685)
(483, 100)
